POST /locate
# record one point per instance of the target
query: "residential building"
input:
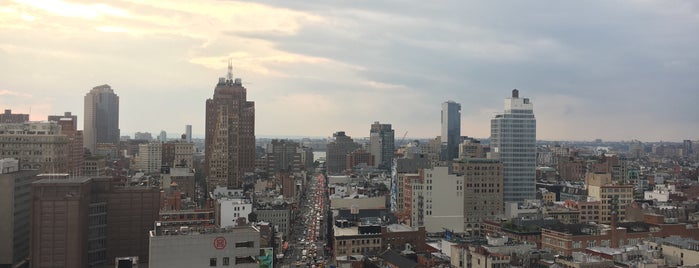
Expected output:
(15, 212)
(37, 145)
(149, 158)
(677, 250)
(338, 149)
(178, 153)
(101, 117)
(75, 149)
(451, 130)
(9, 117)
(362, 239)
(206, 247)
(360, 158)
(382, 144)
(482, 190)
(230, 134)
(278, 214)
(230, 210)
(614, 197)
(513, 141)
(435, 201)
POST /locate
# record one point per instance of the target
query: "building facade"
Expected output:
(149, 158)
(230, 134)
(37, 145)
(76, 153)
(101, 117)
(206, 247)
(382, 144)
(451, 130)
(434, 201)
(513, 141)
(15, 212)
(336, 156)
(482, 191)
(9, 117)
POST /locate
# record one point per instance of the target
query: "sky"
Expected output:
(614, 70)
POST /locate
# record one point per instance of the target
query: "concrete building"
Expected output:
(482, 190)
(433, 201)
(9, 117)
(230, 134)
(37, 145)
(471, 148)
(15, 212)
(513, 141)
(229, 210)
(363, 239)
(382, 144)
(336, 156)
(188, 132)
(614, 197)
(101, 117)
(76, 151)
(451, 130)
(278, 215)
(676, 250)
(282, 155)
(73, 218)
(94, 166)
(178, 153)
(149, 158)
(205, 247)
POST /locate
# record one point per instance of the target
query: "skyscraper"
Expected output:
(382, 144)
(451, 130)
(101, 117)
(230, 134)
(188, 132)
(513, 141)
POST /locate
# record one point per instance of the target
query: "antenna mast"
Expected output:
(229, 76)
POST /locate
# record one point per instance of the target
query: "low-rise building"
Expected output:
(204, 247)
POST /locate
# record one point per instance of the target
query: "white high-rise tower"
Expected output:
(513, 141)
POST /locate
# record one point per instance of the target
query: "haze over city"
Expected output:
(615, 70)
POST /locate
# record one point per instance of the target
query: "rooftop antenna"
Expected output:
(229, 76)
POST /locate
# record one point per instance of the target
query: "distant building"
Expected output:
(37, 145)
(433, 201)
(205, 247)
(75, 150)
(278, 215)
(451, 130)
(614, 197)
(146, 136)
(359, 158)
(15, 212)
(101, 117)
(230, 134)
(149, 158)
(188, 132)
(382, 144)
(178, 153)
(336, 156)
(513, 141)
(9, 117)
(229, 210)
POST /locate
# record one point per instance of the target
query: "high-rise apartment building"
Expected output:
(9, 117)
(451, 130)
(513, 141)
(15, 212)
(382, 144)
(101, 117)
(75, 151)
(37, 145)
(230, 134)
(336, 156)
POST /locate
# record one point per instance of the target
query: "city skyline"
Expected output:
(601, 69)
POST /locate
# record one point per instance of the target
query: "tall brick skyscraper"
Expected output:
(230, 134)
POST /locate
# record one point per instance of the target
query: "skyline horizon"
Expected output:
(599, 69)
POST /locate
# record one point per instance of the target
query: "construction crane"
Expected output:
(402, 139)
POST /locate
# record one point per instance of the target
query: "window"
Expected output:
(212, 262)
(225, 261)
(247, 244)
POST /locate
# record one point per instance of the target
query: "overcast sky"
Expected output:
(615, 70)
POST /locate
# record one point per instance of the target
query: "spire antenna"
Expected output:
(229, 76)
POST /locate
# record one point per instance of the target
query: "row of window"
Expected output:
(226, 261)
